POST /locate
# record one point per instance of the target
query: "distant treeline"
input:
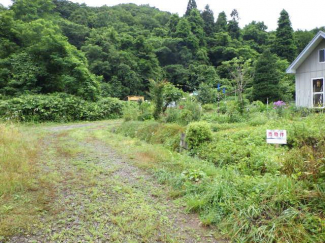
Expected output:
(49, 46)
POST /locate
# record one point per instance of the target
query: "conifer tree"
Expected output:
(284, 45)
(221, 24)
(208, 18)
(191, 5)
(266, 79)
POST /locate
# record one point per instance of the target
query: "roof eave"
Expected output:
(305, 53)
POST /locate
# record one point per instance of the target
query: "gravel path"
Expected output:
(102, 197)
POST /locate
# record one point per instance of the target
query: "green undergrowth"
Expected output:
(253, 192)
(58, 107)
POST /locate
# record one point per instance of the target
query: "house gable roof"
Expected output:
(306, 52)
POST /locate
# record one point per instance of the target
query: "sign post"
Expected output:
(276, 137)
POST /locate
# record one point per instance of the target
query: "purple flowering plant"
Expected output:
(279, 106)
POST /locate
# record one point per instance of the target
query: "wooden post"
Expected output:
(183, 144)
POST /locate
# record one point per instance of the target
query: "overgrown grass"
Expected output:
(254, 192)
(153, 132)
(23, 192)
(17, 161)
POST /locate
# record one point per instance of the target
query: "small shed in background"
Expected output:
(135, 98)
(309, 69)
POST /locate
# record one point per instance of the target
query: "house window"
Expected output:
(318, 92)
(322, 55)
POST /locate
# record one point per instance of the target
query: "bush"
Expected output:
(58, 107)
(138, 111)
(208, 107)
(256, 106)
(131, 111)
(171, 115)
(146, 111)
(188, 110)
(197, 133)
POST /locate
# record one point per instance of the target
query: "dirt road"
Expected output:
(99, 195)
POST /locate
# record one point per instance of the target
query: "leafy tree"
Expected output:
(76, 33)
(207, 94)
(31, 10)
(65, 8)
(287, 81)
(2, 8)
(208, 18)
(201, 74)
(171, 94)
(267, 78)
(45, 62)
(223, 49)
(233, 25)
(183, 29)
(302, 38)
(221, 24)
(80, 16)
(172, 24)
(157, 96)
(241, 73)
(284, 43)
(197, 25)
(190, 6)
(178, 75)
(256, 31)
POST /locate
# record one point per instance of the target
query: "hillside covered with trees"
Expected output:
(50, 46)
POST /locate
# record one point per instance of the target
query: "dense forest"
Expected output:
(50, 46)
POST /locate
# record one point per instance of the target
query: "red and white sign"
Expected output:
(276, 136)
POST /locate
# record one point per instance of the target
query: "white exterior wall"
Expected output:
(310, 69)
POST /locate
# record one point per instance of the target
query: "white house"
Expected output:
(309, 69)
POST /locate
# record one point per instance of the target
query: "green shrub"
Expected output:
(58, 107)
(131, 111)
(188, 110)
(171, 115)
(256, 106)
(208, 107)
(146, 111)
(197, 133)
(223, 107)
(138, 111)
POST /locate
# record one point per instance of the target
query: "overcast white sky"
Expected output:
(303, 14)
